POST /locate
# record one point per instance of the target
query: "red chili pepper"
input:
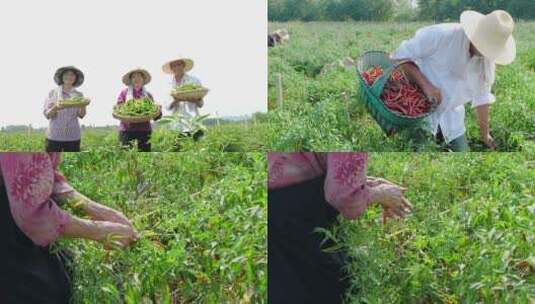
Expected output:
(399, 94)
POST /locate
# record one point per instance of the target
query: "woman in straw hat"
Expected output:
(63, 132)
(135, 80)
(454, 63)
(187, 108)
(308, 191)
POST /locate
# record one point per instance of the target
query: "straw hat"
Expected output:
(491, 34)
(58, 76)
(187, 62)
(126, 78)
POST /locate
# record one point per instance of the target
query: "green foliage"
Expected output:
(315, 117)
(244, 137)
(74, 101)
(450, 10)
(202, 219)
(314, 10)
(188, 87)
(397, 10)
(470, 239)
(137, 107)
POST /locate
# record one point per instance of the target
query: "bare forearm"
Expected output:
(78, 228)
(415, 75)
(82, 203)
(483, 117)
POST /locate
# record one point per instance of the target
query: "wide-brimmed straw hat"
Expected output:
(58, 76)
(127, 77)
(188, 65)
(491, 34)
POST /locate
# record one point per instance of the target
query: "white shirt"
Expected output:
(185, 108)
(442, 54)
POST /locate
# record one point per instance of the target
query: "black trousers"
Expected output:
(299, 271)
(62, 146)
(143, 139)
(196, 137)
(29, 273)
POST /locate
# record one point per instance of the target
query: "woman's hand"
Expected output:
(100, 212)
(415, 75)
(391, 198)
(114, 235)
(58, 106)
(489, 141)
(432, 93)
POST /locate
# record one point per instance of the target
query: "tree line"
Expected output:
(392, 10)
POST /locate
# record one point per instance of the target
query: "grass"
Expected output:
(314, 115)
(227, 137)
(470, 239)
(202, 217)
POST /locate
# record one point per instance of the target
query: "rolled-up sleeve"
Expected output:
(483, 97)
(345, 183)
(423, 44)
(31, 180)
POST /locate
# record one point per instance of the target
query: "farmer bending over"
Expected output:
(32, 220)
(309, 191)
(455, 63)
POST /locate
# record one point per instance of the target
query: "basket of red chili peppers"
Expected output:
(394, 102)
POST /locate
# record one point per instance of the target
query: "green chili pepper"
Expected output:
(137, 107)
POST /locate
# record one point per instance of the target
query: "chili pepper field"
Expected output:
(470, 238)
(202, 220)
(314, 114)
(226, 137)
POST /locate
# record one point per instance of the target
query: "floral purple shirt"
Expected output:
(346, 187)
(31, 181)
(144, 126)
(63, 126)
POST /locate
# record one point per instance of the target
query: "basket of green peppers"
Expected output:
(136, 110)
(190, 91)
(75, 102)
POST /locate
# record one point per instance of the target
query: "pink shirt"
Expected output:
(31, 181)
(346, 186)
(144, 126)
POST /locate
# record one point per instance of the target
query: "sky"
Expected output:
(106, 39)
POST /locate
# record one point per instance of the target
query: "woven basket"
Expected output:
(134, 119)
(188, 95)
(389, 121)
(76, 105)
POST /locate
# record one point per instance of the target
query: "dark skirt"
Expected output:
(29, 273)
(127, 139)
(62, 146)
(299, 271)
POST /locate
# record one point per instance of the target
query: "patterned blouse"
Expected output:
(346, 187)
(31, 181)
(64, 126)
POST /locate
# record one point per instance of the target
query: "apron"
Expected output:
(29, 273)
(298, 270)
